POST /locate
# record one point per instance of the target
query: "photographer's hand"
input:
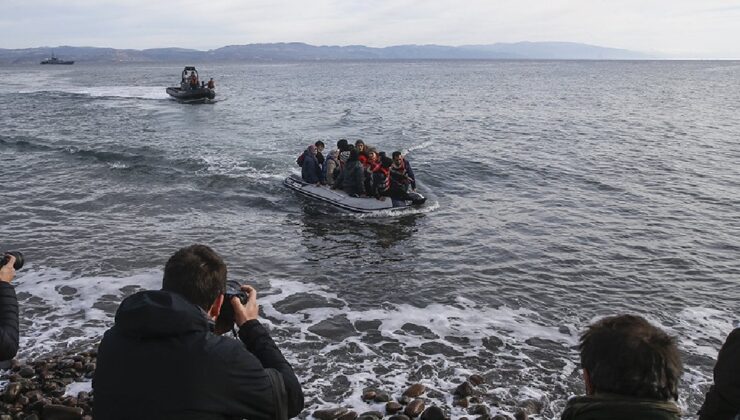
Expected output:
(248, 311)
(7, 272)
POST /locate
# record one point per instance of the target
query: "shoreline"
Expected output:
(56, 387)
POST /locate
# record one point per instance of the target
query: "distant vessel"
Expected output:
(189, 90)
(55, 60)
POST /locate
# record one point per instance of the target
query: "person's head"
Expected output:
(372, 155)
(386, 162)
(342, 145)
(626, 355)
(360, 145)
(320, 146)
(312, 149)
(198, 274)
(353, 155)
(397, 157)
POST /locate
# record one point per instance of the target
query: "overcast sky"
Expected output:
(682, 28)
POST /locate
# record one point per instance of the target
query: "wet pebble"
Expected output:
(479, 410)
(393, 407)
(476, 380)
(433, 413)
(414, 391)
(62, 412)
(351, 415)
(399, 417)
(465, 389)
(330, 413)
(369, 415)
(414, 408)
(521, 415)
(382, 397)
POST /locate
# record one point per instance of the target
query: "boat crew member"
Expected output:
(211, 84)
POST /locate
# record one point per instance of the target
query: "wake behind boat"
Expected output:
(192, 89)
(344, 201)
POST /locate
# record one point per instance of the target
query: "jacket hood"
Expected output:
(159, 313)
(612, 406)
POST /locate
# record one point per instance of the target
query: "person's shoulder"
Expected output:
(227, 350)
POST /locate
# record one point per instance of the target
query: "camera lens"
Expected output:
(18, 259)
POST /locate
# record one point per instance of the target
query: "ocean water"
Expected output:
(559, 192)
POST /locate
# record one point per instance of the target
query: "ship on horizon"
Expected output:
(55, 60)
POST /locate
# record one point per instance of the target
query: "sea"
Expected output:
(559, 192)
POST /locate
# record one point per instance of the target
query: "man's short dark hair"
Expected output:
(319, 143)
(197, 273)
(627, 355)
(396, 154)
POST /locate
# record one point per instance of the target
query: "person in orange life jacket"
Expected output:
(193, 80)
(351, 180)
(310, 168)
(211, 84)
(381, 175)
(9, 325)
(368, 165)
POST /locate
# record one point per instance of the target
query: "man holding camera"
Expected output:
(161, 361)
(9, 326)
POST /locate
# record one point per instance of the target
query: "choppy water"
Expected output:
(560, 192)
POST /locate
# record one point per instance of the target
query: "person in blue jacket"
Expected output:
(310, 168)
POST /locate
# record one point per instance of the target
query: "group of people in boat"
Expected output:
(193, 82)
(358, 169)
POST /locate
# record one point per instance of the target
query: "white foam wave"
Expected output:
(135, 92)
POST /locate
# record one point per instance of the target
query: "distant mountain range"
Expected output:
(296, 51)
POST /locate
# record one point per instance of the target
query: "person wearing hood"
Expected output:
(352, 177)
(723, 399)
(9, 325)
(310, 168)
(161, 360)
(331, 167)
(631, 370)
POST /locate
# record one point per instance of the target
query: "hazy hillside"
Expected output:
(300, 51)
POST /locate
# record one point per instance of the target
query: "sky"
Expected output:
(674, 28)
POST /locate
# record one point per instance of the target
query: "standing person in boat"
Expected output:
(331, 166)
(310, 168)
(370, 163)
(361, 151)
(402, 177)
(352, 178)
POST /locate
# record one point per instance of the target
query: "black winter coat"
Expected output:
(160, 361)
(723, 398)
(8, 321)
(352, 178)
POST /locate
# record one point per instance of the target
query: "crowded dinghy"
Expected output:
(356, 178)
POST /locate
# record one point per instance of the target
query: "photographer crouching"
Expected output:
(9, 327)
(161, 360)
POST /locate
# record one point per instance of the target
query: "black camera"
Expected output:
(225, 320)
(18, 259)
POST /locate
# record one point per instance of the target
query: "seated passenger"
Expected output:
(381, 175)
(723, 398)
(368, 165)
(361, 151)
(331, 167)
(319, 155)
(631, 370)
(310, 169)
(351, 179)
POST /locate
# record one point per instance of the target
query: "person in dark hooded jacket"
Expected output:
(723, 398)
(160, 359)
(352, 177)
(9, 326)
(310, 169)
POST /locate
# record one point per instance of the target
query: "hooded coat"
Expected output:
(9, 325)
(160, 361)
(311, 169)
(619, 407)
(723, 398)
